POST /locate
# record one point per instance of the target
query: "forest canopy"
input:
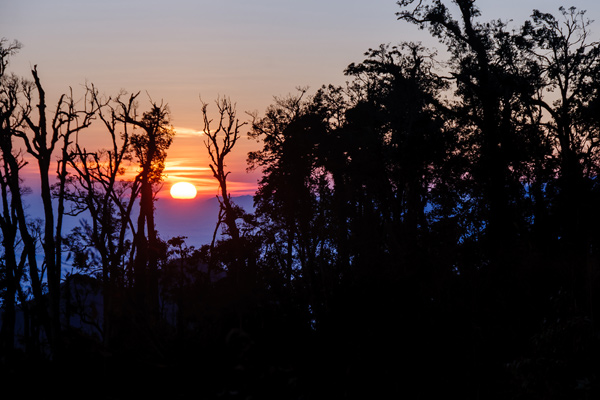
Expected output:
(428, 228)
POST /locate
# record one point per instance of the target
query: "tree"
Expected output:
(66, 122)
(487, 76)
(96, 186)
(395, 144)
(40, 139)
(12, 266)
(228, 131)
(293, 203)
(149, 145)
(179, 277)
(521, 109)
(568, 65)
(237, 252)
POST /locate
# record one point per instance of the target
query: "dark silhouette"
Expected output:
(427, 230)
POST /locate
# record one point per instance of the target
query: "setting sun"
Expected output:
(183, 190)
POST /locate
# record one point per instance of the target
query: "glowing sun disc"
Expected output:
(183, 190)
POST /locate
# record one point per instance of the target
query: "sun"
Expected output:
(183, 190)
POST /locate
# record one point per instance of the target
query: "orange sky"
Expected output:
(188, 161)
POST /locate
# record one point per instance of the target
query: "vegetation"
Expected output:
(428, 229)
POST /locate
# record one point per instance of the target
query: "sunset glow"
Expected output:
(243, 198)
(183, 190)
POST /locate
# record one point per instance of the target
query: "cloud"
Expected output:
(183, 164)
(187, 132)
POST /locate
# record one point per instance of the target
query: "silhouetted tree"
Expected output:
(12, 265)
(228, 130)
(489, 84)
(569, 66)
(293, 202)
(149, 145)
(40, 139)
(98, 187)
(237, 252)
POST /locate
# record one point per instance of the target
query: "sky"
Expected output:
(182, 51)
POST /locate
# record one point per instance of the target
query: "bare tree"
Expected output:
(96, 187)
(10, 164)
(40, 140)
(220, 143)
